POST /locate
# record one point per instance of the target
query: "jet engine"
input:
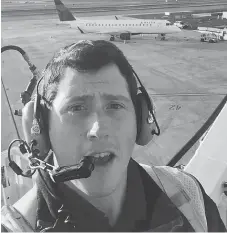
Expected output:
(125, 36)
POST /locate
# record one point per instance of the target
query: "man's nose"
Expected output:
(98, 129)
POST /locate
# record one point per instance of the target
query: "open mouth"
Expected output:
(103, 158)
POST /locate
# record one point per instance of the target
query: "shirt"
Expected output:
(145, 208)
(88, 218)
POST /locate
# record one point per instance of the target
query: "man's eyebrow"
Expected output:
(104, 95)
(116, 97)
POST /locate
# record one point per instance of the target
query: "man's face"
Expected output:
(94, 104)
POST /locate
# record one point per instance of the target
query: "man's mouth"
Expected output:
(101, 159)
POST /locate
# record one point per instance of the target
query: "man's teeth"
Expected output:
(102, 155)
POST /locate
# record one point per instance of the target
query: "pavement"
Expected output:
(186, 78)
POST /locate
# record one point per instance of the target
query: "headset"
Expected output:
(36, 133)
(35, 129)
(145, 112)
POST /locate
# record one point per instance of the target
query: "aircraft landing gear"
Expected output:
(112, 38)
(162, 37)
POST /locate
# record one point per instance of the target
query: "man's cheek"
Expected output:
(128, 129)
(127, 137)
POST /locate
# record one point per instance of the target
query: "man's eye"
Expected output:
(115, 106)
(76, 108)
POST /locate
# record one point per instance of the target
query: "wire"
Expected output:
(13, 47)
(11, 111)
(31, 67)
(47, 186)
(13, 165)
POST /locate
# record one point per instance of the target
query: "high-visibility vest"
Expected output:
(182, 189)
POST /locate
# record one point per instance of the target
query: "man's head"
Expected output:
(90, 93)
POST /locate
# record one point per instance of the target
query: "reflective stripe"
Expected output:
(178, 199)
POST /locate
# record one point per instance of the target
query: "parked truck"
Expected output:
(209, 37)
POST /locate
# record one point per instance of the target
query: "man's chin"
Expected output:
(104, 179)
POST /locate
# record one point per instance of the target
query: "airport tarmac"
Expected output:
(45, 9)
(186, 78)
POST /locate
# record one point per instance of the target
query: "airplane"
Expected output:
(123, 29)
(220, 33)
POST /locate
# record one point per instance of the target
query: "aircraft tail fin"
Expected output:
(63, 12)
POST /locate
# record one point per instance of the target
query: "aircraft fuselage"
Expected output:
(131, 26)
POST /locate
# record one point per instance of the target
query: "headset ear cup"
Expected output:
(43, 142)
(144, 128)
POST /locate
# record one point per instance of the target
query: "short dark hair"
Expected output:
(85, 56)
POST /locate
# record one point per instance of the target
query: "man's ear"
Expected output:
(43, 141)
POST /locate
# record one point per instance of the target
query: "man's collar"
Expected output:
(134, 206)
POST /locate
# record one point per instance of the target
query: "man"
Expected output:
(90, 108)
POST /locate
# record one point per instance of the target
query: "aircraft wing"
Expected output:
(211, 156)
(114, 33)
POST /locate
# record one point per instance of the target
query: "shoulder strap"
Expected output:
(13, 221)
(183, 191)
